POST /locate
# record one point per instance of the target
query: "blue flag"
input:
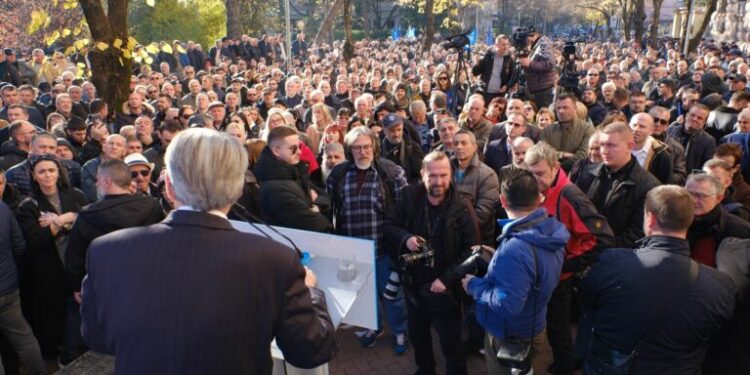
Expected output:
(489, 40)
(473, 37)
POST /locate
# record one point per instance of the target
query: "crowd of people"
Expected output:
(621, 205)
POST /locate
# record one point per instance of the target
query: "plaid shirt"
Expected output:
(364, 210)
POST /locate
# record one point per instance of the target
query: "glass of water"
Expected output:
(347, 268)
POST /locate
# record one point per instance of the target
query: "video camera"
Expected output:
(520, 38)
(570, 77)
(456, 42)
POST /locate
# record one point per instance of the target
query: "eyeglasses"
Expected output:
(144, 173)
(662, 121)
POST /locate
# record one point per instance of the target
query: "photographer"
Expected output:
(539, 66)
(511, 300)
(495, 69)
(430, 217)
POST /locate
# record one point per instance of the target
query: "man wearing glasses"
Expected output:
(676, 151)
(288, 198)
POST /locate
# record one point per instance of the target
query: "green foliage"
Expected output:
(202, 21)
(261, 16)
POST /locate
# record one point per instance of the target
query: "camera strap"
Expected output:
(535, 291)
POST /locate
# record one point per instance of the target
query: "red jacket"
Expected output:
(588, 229)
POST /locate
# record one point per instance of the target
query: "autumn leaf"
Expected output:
(149, 60)
(181, 49)
(150, 3)
(117, 43)
(132, 43)
(167, 48)
(66, 32)
(152, 49)
(69, 50)
(102, 46)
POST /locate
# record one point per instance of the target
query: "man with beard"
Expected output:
(431, 214)
(400, 150)
(597, 110)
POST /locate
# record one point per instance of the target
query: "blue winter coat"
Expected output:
(503, 304)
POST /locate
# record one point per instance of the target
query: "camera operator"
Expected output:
(431, 217)
(539, 66)
(511, 299)
(495, 69)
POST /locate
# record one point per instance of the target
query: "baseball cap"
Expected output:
(391, 120)
(738, 77)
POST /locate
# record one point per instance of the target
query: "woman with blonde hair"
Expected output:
(545, 118)
(321, 119)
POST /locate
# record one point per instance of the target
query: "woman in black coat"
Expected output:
(45, 219)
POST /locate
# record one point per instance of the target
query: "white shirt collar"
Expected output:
(212, 212)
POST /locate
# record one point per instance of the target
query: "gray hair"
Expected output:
(417, 105)
(206, 167)
(541, 152)
(716, 186)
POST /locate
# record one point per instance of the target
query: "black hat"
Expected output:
(9, 52)
(738, 77)
(64, 142)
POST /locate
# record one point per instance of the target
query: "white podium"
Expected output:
(353, 302)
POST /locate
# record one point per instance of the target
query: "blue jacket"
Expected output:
(503, 306)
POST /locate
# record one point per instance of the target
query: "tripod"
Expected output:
(460, 65)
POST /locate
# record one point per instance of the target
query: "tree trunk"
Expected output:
(328, 21)
(609, 26)
(429, 29)
(695, 40)
(638, 20)
(110, 70)
(655, 21)
(349, 43)
(234, 23)
(687, 26)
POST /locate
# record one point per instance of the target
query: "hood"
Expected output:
(269, 168)
(118, 212)
(538, 229)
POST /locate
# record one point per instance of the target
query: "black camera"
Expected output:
(520, 39)
(456, 42)
(477, 263)
(424, 253)
(569, 51)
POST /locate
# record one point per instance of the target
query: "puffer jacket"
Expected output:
(504, 298)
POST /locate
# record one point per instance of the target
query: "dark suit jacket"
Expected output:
(191, 295)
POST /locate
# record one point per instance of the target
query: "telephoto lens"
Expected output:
(391, 287)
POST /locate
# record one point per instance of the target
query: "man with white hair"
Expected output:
(292, 90)
(196, 249)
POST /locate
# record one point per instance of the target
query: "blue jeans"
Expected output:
(395, 310)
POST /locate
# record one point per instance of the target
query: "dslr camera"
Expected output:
(478, 262)
(424, 254)
(457, 42)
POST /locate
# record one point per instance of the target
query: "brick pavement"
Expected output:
(352, 359)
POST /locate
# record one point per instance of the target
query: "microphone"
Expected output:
(251, 219)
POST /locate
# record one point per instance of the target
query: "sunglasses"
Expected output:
(662, 121)
(144, 173)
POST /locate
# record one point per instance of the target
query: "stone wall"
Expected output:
(731, 23)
